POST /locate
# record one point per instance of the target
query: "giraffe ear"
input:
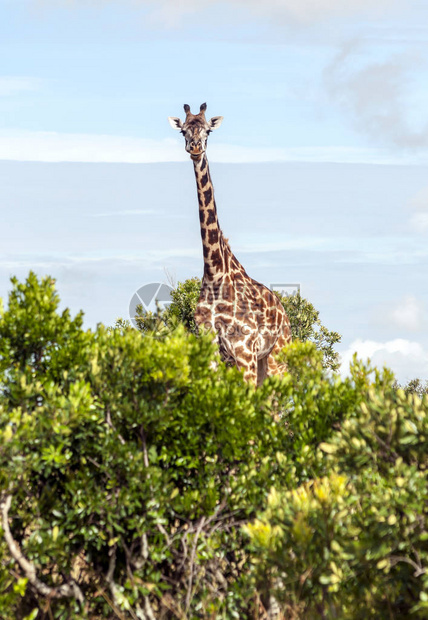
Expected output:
(175, 123)
(215, 122)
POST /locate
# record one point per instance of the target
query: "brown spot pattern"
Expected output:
(211, 217)
(216, 258)
(212, 236)
(208, 194)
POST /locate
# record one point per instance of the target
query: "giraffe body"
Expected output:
(249, 319)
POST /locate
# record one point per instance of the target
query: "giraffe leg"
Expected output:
(262, 370)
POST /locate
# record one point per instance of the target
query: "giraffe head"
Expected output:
(195, 130)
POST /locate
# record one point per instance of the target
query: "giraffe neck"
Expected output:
(216, 249)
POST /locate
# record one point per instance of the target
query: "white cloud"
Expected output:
(55, 147)
(408, 359)
(10, 85)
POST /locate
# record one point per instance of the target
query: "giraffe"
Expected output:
(250, 321)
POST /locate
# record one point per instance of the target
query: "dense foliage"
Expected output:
(353, 540)
(414, 386)
(137, 480)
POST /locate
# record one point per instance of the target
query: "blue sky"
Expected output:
(290, 78)
(320, 166)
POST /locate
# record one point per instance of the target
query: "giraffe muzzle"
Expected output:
(196, 154)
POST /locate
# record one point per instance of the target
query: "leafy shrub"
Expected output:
(414, 386)
(142, 478)
(127, 465)
(184, 298)
(353, 543)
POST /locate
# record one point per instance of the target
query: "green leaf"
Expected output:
(325, 579)
(328, 447)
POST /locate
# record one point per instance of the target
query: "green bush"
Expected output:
(129, 463)
(142, 478)
(353, 542)
(182, 308)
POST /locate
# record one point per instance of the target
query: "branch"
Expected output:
(147, 613)
(111, 567)
(110, 424)
(70, 589)
(143, 441)
(385, 445)
(115, 593)
(192, 560)
(419, 569)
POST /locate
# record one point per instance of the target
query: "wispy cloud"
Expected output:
(52, 147)
(67, 147)
(105, 259)
(407, 314)
(373, 93)
(125, 213)
(384, 250)
(419, 222)
(171, 13)
(419, 206)
(11, 85)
